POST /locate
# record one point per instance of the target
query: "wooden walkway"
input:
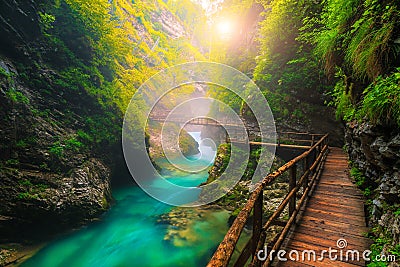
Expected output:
(335, 211)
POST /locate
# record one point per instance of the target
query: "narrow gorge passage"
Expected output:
(140, 231)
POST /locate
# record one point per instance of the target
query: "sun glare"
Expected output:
(225, 27)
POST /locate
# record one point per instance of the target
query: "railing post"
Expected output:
(292, 184)
(257, 222)
(306, 167)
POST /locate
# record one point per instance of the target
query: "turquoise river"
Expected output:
(134, 232)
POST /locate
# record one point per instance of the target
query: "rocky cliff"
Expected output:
(61, 102)
(51, 176)
(374, 151)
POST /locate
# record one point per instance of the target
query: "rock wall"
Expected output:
(375, 151)
(49, 178)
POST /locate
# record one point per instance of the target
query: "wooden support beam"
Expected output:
(292, 185)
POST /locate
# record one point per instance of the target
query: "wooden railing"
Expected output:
(285, 139)
(312, 160)
(298, 138)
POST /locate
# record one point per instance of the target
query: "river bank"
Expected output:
(142, 230)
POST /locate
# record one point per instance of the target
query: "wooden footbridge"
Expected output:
(205, 121)
(321, 220)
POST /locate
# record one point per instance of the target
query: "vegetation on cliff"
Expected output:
(67, 72)
(359, 43)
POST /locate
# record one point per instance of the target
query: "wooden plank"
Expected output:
(324, 242)
(338, 222)
(340, 193)
(333, 236)
(344, 201)
(338, 210)
(336, 182)
(332, 227)
(336, 204)
(329, 214)
(349, 189)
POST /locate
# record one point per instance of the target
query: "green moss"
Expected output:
(12, 162)
(104, 203)
(4, 73)
(362, 183)
(57, 149)
(32, 190)
(25, 182)
(73, 144)
(21, 144)
(16, 96)
(27, 196)
(84, 137)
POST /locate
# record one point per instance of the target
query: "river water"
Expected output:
(131, 233)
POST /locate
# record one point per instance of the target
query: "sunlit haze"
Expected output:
(225, 27)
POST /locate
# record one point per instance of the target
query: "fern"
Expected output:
(381, 102)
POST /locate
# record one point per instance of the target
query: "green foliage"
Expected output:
(12, 162)
(397, 212)
(356, 40)
(46, 21)
(21, 144)
(4, 73)
(187, 144)
(57, 149)
(223, 155)
(396, 251)
(361, 181)
(188, 12)
(329, 29)
(73, 144)
(33, 191)
(381, 103)
(376, 250)
(297, 113)
(370, 44)
(107, 50)
(44, 166)
(25, 182)
(84, 137)
(101, 130)
(287, 70)
(16, 96)
(27, 196)
(342, 101)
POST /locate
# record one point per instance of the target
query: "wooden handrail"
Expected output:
(297, 140)
(313, 159)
